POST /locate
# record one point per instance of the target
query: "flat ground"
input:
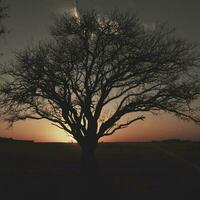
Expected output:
(127, 171)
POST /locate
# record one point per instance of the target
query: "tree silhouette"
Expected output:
(3, 15)
(99, 74)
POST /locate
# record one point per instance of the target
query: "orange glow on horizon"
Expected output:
(38, 131)
(153, 128)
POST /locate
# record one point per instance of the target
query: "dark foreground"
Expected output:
(134, 171)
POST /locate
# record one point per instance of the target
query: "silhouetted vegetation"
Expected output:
(11, 140)
(171, 141)
(99, 74)
(3, 15)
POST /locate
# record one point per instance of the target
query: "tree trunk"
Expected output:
(89, 165)
(90, 172)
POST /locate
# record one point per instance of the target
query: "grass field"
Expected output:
(127, 171)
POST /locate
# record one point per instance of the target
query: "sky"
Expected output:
(28, 23)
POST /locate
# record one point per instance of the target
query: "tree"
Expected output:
(3, 15)
(99, 74)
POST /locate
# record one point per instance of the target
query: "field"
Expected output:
(132, 171)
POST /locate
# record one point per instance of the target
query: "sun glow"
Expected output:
(38, 131)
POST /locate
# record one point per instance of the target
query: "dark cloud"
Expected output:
(184, 15)
(29, 21)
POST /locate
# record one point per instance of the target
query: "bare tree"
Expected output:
(3, 15)
(99, 74)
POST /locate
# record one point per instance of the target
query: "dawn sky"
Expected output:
(29, 21)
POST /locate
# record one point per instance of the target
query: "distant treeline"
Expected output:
(171, 141)
(11, 140)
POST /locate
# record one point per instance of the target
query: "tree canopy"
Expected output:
(96, 70)
(3, 15)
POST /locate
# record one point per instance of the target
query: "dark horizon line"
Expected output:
(10, 139)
